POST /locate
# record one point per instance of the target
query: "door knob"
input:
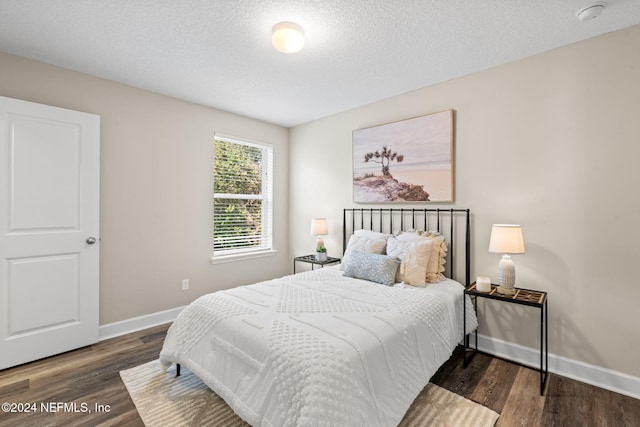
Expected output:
(91, 240)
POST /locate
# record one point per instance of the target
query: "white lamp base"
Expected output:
(506, 276)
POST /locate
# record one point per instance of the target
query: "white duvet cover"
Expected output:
(319, 348)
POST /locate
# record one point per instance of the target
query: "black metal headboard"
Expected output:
(448, 222)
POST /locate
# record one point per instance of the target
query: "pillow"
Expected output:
(362, 244)
(411, 236)
(372, 235)
(372, 267)
(437, 259)
(435, 268)
(414, 257)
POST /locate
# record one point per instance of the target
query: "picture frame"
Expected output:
(407, 161)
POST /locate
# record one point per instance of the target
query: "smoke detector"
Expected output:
(590, 12)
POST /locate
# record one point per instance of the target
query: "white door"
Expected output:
(49, 225)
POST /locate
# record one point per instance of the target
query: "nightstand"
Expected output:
(311, 259)
(528, 297)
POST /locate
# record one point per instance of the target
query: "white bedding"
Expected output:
(319, 348)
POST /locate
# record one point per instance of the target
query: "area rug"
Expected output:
(162, 399)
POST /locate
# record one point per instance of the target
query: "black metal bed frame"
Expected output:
(392, 220)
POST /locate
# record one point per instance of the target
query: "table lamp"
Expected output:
(319, 228)
(506, 239)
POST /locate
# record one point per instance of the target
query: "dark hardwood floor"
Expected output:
(90, 376)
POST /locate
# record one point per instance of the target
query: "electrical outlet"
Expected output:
(185, 284)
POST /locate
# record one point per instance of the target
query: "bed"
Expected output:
(344, 345)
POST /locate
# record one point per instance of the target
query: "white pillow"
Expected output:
(414, 257)
(372, 235)
(362, 244)
(437, 259)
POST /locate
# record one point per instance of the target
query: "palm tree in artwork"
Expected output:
(384, 157)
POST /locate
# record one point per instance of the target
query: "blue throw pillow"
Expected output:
(373, 267)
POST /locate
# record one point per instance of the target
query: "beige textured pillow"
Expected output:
(437, 259)
(414, 257)
(435, 269)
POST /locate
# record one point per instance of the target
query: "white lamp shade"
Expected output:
(287, 37)
(319, 227)
(506, 239)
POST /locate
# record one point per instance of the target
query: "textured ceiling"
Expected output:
(218, 52)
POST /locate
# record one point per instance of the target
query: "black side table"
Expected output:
(528, 297)
(311, 259)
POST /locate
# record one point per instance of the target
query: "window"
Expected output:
(242, 197)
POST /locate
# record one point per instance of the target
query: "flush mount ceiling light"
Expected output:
(590, 12)
(287, 37)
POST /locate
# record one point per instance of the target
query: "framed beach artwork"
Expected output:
(406, 161)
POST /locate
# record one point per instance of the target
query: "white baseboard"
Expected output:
(115, 329)
(591, 374)
(574, 369)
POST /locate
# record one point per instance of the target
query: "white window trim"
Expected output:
(244, 254)
(221, 259)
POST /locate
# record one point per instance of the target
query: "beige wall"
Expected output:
(156, 185)
(551, 142)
